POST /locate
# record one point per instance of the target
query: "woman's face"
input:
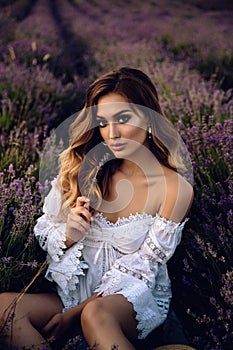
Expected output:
(122, 129)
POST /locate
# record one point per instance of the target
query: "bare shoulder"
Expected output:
(179, 186)
(178, 199)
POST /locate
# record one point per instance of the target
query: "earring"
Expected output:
(149, 132)
(104, 143)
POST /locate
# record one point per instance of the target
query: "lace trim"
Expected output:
(169, 222)
(138, 275)
(43, 241)
(50, 237)
(121, 220)
(66, 272)
(155, 250)
(162, 288)
(134, 217)
(150, 311)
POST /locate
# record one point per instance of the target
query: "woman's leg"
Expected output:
(109, 320)
(28, 317)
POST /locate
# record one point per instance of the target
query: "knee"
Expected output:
(6, 310)
(94, 314)
(5, 301)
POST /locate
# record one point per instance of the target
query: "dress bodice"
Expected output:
(126, 234)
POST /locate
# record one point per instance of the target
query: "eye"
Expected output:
(122, 119)
(101, 123)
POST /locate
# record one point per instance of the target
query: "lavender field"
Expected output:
(49, 52)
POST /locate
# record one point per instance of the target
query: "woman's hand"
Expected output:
(62, 322)
(78, 221)
(57, 326)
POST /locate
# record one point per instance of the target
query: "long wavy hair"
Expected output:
(76, 179)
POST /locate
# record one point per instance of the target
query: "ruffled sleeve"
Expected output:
(134, 275)
(49, 232)
(64, 265)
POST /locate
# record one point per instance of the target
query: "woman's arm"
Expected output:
(65, 263)
(54, 235)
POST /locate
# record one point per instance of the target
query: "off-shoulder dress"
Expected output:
(127, 257)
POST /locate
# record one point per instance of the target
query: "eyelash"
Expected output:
(102, 122)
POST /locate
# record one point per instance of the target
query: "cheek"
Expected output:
(136, 134)
(103, 133)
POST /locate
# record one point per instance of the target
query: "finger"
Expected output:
(82, 200)
(79, 224)
(49, 326)
(78, 218)
(87, 205)
(84, 226)
(83, 212)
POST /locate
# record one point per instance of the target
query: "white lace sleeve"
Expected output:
(49, 232)
(160, 243)
(64, 265)
(134, 275)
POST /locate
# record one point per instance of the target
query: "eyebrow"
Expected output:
(117, 114)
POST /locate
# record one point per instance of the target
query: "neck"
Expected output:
(129, 168)
(141, 162)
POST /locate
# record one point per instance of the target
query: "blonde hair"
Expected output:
(137, 88)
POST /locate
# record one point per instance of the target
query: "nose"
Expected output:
(113, 130)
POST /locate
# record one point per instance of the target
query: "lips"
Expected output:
(117, 146)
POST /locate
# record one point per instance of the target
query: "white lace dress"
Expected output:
(127, 257)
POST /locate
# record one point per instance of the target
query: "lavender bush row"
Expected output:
(37, 40)
(183, 92)
(34, 95)
(38, 32)
(205, 43)
(28, 89)
(168, 70)
(205, 285)
(41, 39)
(19, 9)
(20, 205)
(33, 78)
(11, 12)
(22, 148)
(138, 22)
(21, 200)
(192, 99)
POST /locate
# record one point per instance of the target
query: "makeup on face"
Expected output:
(119, 124)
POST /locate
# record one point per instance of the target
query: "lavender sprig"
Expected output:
(100, 164)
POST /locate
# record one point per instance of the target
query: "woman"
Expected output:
(111, 221)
